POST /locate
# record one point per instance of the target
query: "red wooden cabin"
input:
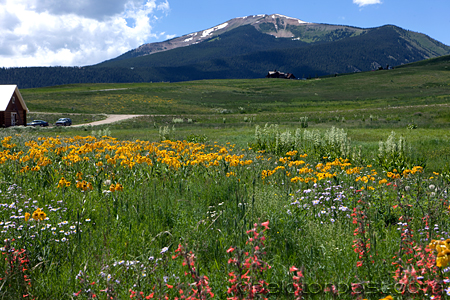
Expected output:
(13, 110)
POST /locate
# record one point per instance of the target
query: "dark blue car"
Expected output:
(38, 123)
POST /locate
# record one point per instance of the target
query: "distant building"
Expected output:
(13, 110)
(277, 74)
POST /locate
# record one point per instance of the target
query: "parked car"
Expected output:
(38, 123)
(63, 122)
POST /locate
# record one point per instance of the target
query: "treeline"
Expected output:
(31, 77)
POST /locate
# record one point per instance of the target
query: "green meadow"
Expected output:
(327, 188)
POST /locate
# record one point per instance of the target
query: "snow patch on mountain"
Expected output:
(286, 17)
(211, 30)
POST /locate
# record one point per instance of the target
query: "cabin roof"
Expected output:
(6, 92)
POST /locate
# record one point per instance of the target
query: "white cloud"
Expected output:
(94, 9)
(366, 2)
(164, 6)
(73, 33)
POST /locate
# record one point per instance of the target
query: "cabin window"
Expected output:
(13, 99)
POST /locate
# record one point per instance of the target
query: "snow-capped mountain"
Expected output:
(275, 24)
(247, 47)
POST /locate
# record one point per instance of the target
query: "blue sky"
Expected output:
(78, 33)
(429, 17)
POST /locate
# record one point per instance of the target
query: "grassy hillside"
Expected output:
(424, 83)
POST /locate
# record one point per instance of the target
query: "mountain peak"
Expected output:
(295, 20)
(278, 25)
(275, 24)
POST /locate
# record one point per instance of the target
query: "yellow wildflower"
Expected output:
(38, 214)
(443, 252)
(24, 169)
(84, 185)
(63, 183)
(442, 259)
(116, 187)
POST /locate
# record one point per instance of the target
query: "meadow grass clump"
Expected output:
(178, 120)
(393, 154)
(197, 138)
(164, 133)
(396, 154)
(333, 143)
(101, 132)
(271, 139)
(304, 122)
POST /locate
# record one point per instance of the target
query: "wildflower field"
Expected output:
(330, 188)
(294, 215)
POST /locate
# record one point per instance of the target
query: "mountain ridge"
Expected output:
(206, 34)
(280, 26)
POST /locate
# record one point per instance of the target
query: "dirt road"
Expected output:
(109, 119)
